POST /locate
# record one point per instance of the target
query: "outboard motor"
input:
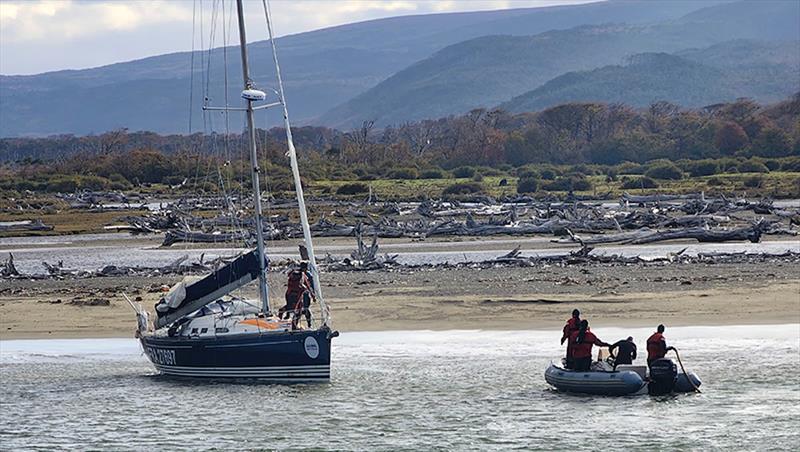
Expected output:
(663, 376)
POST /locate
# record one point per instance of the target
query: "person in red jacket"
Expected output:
(657, 346)
(572, 326)
(582, 342)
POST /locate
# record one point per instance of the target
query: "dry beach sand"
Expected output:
(464, 298)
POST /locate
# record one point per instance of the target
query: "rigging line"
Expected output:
(212, 33)
(191, 66)
(203, 140)
(312, 263)
(211, 40)
(225, 84)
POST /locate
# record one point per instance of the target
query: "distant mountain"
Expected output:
(764, 72)
(486, 71)
(322, 69)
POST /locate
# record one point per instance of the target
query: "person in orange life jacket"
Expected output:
(582, 342)
(572, 325)
(657, 346)
(296, 287)
(626, 351)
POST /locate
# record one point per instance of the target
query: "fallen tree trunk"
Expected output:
(179, 236)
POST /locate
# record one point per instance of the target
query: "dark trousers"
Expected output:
(291, 304)
(582, 364)
(569, 362)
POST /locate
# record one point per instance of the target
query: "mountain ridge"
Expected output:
(367, 53)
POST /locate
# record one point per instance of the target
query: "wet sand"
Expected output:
(638, 295)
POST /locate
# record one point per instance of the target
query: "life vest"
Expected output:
(571, 326)
(584, 349)
(656, 347)
(297, 283)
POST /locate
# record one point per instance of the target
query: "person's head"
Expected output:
(576, 313)
(660, 328)
(629, 339)
(303, 266)
(584, 325)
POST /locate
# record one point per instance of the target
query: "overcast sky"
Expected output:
(46, 35)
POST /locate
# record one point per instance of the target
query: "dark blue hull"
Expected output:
(285, 356)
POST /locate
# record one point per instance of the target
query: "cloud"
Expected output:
(41, 20)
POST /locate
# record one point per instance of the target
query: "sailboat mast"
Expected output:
(262, 275)
(312, 261)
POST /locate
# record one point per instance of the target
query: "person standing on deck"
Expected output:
(582, 342)
(308, 295)
(297, 285)
(657, 346)
(573, 324)
(626, 351)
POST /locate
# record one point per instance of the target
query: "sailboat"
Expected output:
(201, 331)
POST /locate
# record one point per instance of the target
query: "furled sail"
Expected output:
(186, 299)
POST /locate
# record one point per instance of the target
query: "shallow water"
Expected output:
(28, 259)
(415, 390)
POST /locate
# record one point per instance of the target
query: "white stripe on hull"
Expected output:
(294, 373)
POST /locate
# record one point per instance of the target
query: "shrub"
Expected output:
(751, 166)
(527, 185)
(478, 177)
(630, 168)
(22, 185)
(715, 181)
(753, 181)
(94, 182)
(772, 164)
(548, 174)
(701, 168)
(352, 189)
(63, 185)
(581, 184)
(342, 175)
(582, 169)
(404, 173)
(665, 171)
(464, 188)
(791, 164)
(528, 174)
(173, 180)
(464, 171)
(571, 183)
(431, 174)
(639, 182)
(490, 172)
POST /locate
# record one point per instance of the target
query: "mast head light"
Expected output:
(254, 94)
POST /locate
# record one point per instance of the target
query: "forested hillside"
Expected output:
(322, 69)
(767, 72)
(487, 71)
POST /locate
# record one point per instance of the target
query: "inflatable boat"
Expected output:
(602, 379)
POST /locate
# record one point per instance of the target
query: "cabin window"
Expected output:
(194, 330)
(221, 330)
(204, 331)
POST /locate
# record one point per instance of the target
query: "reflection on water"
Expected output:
(415, 390)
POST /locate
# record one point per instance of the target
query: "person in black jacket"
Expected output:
(626, 351)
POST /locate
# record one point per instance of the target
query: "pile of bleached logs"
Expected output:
(636, 219)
